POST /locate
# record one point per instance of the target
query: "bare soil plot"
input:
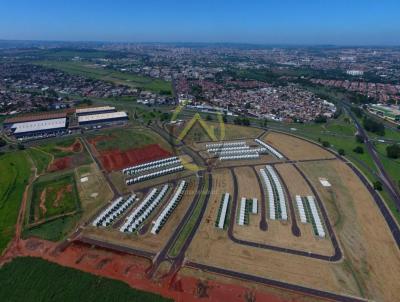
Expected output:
(295, 148)
(148, 241)
(370, 251)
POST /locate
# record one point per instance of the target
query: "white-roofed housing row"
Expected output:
(269, 148)
(112, 212)
(163, 217)
(154, 174)
(143, 211)
(276, 196)
(222, 211)
(151, 165)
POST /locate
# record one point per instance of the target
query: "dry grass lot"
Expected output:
(371, 258)
(94, 192)
(295, 148)
(369, 247)
(148, 241)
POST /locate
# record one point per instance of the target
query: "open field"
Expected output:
(53, 196)
(231, 132)
(143, 239)
(93, 189)
(14, 177)
(294, 148)
(123, 138)
(42, 281)
(88, 70)
(40, 158)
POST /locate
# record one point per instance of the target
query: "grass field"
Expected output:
(40, 158)
(38, 280)
(53, 196)
(14, 176)
(119, 78)
(53, 230)
(58, 148)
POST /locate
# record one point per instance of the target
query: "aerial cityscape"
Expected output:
(200, 151)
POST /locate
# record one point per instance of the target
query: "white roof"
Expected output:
(102, 116)
(39, 125)
(94, 109)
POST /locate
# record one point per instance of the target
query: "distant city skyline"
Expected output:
(256, 22)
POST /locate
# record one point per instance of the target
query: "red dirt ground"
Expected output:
(60, 164)
(76, 147)
(129, 269)
(117, 160)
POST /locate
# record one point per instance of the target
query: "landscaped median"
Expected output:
(188, 227)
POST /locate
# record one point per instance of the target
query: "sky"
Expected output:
(339, 22)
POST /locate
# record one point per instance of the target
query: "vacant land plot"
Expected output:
(117, 160)
(93, 188)
(14, 177)
(42, 281)
(89, 70)
(53, 196)
(295, 148)
(228, 132)
(62, 147)
(365, 237)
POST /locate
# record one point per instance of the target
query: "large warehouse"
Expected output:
(111, 117)
(41, 125)
(40, 129)
(94, 110)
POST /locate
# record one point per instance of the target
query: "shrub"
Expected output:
(378, 185)
(359, 150)
(326, 144)
(342, 152)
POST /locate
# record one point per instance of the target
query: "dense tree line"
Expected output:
(371, 125)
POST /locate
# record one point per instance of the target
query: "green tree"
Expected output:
(358, 150)
(341, 152)
(378, 185)
(393, 151)
(326, 144)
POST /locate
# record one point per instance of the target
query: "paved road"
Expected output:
(274, 283)
(263, 220)
(295, 228)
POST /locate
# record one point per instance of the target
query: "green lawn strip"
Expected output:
(184, 234)
(14, 176)
(34, 279)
